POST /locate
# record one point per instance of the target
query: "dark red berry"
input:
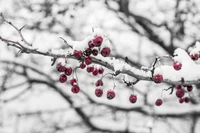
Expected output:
(63, 78)
(189, 88)
(133, 98)
(101, 70)
(82, 65)
(187, 99)
(60, 67)
(158, 102)
(177, 66)
(179, 87)
(95, 72)
(194, 56)
(68, 71)
(90, 44)
(180, 93)
(110, 94)
(157, 78)
(181, 100)
(77, 53)
(90, 69)
(88, 52)
(75, 89)
(88, 60)
(99, 83)
(105, 52)
(97, 41)
(72, 81)
(95, 52)
(98, 92)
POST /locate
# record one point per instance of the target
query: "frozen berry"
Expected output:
(72, 81)
(88, 60)
(194, 56)
(75, 89)
(60, 67)
(158, 102)
(95, 52)
(68, 71)
(99, 83)
(189, 88)
(97, 41)
(98, 92)
(63, 78)
(177, 66)
(82, 65)
(110, 94)
(133, 98)
(90, 44)
(105, 52)
(181, 100)
(101, 70)
(95, 72)
(180, 93)
(78, 53)
(88, 52)
(179, 87)
(157, 78)
(187, 99)
(90, 69)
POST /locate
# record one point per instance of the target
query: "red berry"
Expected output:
(158, 102)
(82, 65)
(88, 60)
(101, 70)
(72, 81)
(97, 41)
(194, 56)
(99, 82)
(95, 72)
(75, 89)
(88, 52)
(105, 52)
(60, 67)
(63, 78)
(187, 99)
(95, 52)
(90, 69)
(98, 92)
(181, 100)
(110, 94)
(68, 71)
(179, 87)
(177, 66)
(90, 44)
(133, 98)
(157, 78)
(180, 93)
(78, 53)
(189, 88)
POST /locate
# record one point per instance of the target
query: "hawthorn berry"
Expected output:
(82, 65)
(90, 69)
(194, 56)
(88, 60)
(101, 70)
(180, 93)
(189, 88)
(98, 92)
(60, 67)
(95, 52)
(63, 78)
(97, 41)
(77, 53)
(110, 94)
(181, 100)
(105, 52)
(95, 72)
(177, 66)
(157, 78)
(179, 87)
(88, 52)
(68, 71)
(187, 99)
(75, 89)
(72, 81)
(158, 102)
(133, 98)
(99, 82)
(90, 44)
